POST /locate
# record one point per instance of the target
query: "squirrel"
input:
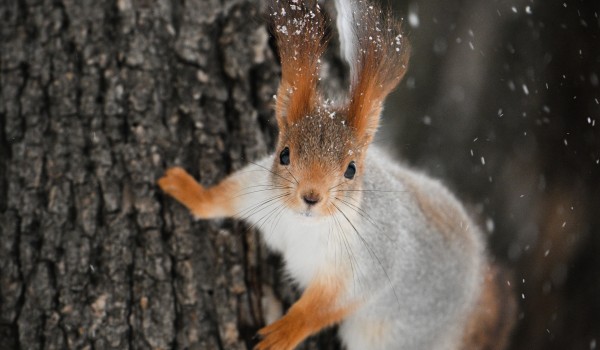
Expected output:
(383, 251)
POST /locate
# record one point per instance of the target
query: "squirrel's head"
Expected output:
(322, 147)
(319, 160)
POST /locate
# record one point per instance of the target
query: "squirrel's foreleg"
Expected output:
(204, 203)
(319, 307)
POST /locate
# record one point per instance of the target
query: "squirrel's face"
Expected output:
(319, 162)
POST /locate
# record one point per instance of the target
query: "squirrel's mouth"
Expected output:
(314, 212)
(311, 214)
(311, 211)
(308, 213)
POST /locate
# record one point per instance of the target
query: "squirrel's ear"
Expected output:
(299, 28)
(377, 53)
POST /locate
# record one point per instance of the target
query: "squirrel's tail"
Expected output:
(345, 26)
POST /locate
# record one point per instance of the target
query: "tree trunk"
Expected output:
(97, 99)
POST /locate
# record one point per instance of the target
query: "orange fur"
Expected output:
(299, 29)
(314, 178)
(493, 318)
(444, 215)
(213, 202)
(316, 309)
(381, 63)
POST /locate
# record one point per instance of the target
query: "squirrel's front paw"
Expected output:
(284, 334)
(180, 185)
(177, 181)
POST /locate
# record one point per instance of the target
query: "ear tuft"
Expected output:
(299, 28)
(379, 52)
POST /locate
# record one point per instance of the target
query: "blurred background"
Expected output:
(502, 101)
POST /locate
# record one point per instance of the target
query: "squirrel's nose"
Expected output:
(311, 198)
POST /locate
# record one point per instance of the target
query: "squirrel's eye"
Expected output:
(284, 156)
(350, 170)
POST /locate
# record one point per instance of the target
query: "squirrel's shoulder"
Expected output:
(438, 205)
(380, 165)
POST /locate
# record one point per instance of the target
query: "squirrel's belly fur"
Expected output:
(415, 279)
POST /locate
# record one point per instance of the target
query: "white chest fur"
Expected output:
(308, 245)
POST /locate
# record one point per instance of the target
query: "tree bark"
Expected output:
(97, 99)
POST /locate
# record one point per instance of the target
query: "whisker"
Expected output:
(365, 216)
(272, 172)
(341, 183)
(352, 259)
(261, 185)
(276, 214)
(280, 213)
(293, 177)
(252, 170)
(329, 235)
(370, 191)
(359, 211)
(245, 213)
(263, 190)
(371, 252)
(330, 222)
(264, 217)
(355, 200)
